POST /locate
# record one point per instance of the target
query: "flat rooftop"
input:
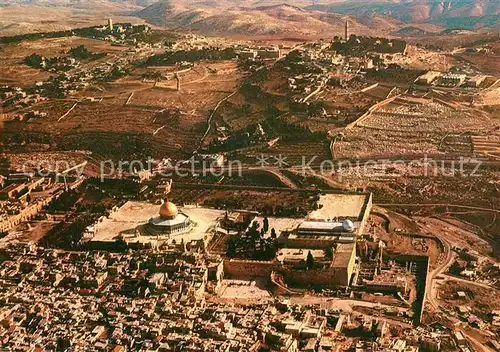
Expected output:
(337, 238)
(340, 206)
(298, 254)
(279, 224)
(326, 226)
(342, 254)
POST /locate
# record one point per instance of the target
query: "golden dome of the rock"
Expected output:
(168, 210)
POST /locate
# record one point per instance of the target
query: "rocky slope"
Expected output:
(279, 19)
(450, 13)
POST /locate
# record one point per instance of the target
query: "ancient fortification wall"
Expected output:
(248, 268)
(324, 277)
(235, 269)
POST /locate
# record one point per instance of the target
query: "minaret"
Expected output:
(110, 25)
(178, 81)
(346, 34)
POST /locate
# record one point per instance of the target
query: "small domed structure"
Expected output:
(168, 210)
(347, 225)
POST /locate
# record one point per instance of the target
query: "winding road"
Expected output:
(431, 289)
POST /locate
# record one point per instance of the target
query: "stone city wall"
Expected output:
(235, 269)
(248, 268)
(324, 277)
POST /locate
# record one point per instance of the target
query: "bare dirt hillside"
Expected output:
(39, 17)
(279, 19)
(450, 13)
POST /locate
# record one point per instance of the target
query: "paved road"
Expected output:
(431, 290)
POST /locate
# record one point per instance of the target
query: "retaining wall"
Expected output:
(248, 268)
(324, 277)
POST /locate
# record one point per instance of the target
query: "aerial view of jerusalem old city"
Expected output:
(249, 176)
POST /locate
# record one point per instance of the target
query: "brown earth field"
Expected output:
(132, 118)
(475, 228)
(480, 192)
(22, 19)
(395, 230)
(450, 41)
(480, 300)
(486, 62)
(292, 153)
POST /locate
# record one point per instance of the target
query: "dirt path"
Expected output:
(67, 112)
(129, 97)
(158, 130)
(210, 118)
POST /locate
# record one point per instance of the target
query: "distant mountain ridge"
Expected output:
(272, 17)
(280, 19)
(449, 13)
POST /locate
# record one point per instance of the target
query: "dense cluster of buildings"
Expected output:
(166, 300)
(337, 224)
(160, 286)
(18, 97)
(89, 301)
(71, 77)
(174, 294)
(120, 33)
(260, 53)
(24, 196)
(451, 80)
(65, 83)
(312, 66)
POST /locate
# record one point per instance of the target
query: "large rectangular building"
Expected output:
(428, 77)
(341, 218)
(337, 274)
(343, 262)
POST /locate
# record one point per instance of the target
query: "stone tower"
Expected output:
(178, 79)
